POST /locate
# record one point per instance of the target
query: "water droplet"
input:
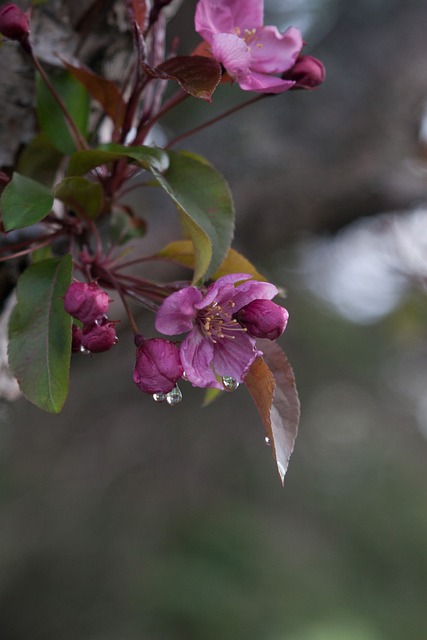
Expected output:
(159, 397)
(267, 441)
(84, 351)
(184, 376)
(174, 397)
(229, 383)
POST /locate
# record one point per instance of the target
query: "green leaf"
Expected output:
(51, 118)
(206, 207)
(39, 160)
(85, 198)
(40, 334)
(83, 161)
(271, 383)
(24, 202)
(182, 252)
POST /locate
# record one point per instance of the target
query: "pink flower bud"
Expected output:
(86, 302)
(157, 366)
(307, 72)
(100, 336)
(14, 23)
(76, 338)
(263, 319)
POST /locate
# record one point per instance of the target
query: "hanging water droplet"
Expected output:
(84, 351)
(174, 397)
(267, 441)
(229, 383)
(159, 397)
(184, 376)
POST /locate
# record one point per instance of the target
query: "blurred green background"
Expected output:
(125, 520)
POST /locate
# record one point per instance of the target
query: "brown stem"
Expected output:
(229, 112)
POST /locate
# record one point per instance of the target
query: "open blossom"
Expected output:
(217, 344)
(252, 54)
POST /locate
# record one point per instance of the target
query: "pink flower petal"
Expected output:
(196, 357)
(232, 52)
(234, 357)
(222, 16)
(275, 52)
(177, 312)
(262, 83)
(222, 288)
(253, 290)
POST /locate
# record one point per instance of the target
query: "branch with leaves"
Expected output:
(83, 244)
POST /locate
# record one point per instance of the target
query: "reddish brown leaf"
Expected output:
(137, 10)
(102, 90)
(197, 75)
(271, 383)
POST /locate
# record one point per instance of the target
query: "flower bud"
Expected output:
(307, 72)
(86, 302)
(14, 23)
(263, 319)
(100, 336)
(157, 366)
(76, 338)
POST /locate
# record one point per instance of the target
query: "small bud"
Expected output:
(76, 338)
(263, 319)
(86, 301)
(100, 336)
(14, 23)
(307, 72)
(157, 366)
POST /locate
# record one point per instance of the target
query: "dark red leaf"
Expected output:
(102, 90)
(271, 383)
(197, 75)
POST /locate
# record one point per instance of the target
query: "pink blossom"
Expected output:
(252, 54)
(263, 319)
(217, 344)
(158, 366)
(307, 72)
(86, 301)
(99, 336)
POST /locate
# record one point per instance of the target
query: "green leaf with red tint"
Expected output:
(271, 383)
(40, 334)
(197, 75)
(102, 90)
(85, 198)
(24, 202)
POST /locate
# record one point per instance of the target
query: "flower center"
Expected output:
(217, 323)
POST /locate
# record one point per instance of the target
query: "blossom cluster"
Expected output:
(222, 322)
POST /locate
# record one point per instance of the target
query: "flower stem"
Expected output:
(77, 136)
(204, 125)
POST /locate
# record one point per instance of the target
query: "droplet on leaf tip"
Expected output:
(229, 383)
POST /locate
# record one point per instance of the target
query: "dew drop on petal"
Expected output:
(174, 397)
(229, 383)
(159, 397)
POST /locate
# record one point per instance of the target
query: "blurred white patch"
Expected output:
(365, 271)
(9, 388)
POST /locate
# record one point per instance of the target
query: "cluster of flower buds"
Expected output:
(88, 303)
